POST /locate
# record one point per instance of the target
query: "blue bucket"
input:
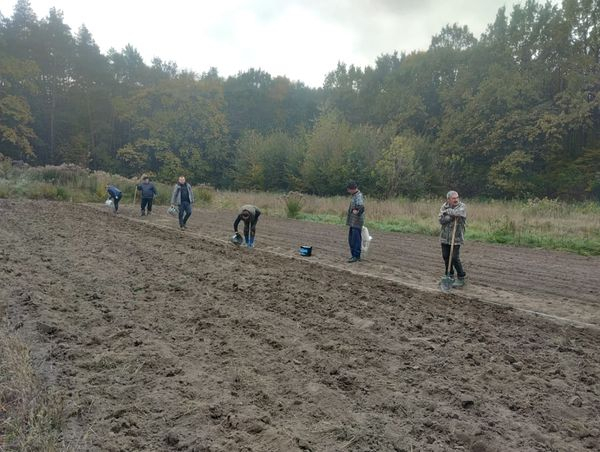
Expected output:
(305, 250)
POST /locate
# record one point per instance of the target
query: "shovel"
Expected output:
(446, 282)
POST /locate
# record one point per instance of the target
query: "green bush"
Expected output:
(294, 201)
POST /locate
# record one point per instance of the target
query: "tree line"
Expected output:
(513, 113)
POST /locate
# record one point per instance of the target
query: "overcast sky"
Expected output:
(300, 39)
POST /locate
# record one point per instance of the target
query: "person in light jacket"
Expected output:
(453, 210)
(183, 198)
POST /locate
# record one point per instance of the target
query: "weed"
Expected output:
(293, 202)
(32, 417)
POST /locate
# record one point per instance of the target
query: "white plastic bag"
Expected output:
(366, 241)
(109, 202)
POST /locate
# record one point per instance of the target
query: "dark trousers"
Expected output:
(147, 203)
(250, 230)
(116, 203)
(355, 241)
(185, 211)
(456, 264)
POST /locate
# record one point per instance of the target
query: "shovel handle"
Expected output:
(452, 246)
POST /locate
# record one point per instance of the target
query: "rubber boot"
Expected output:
(458, 283)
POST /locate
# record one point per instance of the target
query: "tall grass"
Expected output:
(75, 184)
(31, 417)
(544, 223)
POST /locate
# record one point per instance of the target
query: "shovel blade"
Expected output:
(446, 283)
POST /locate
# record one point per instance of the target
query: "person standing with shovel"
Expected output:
(453, 218)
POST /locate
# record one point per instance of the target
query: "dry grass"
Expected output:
(30, 418)
(541, 215)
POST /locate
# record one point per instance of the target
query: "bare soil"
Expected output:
(160, 339)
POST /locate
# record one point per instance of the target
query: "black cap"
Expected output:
(352, 185)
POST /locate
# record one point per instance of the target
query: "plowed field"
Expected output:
(160, 339)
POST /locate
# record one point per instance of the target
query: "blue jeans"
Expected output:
(355, 241)
(185, 211)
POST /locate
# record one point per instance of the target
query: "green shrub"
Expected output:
(294, 201)
(62, 194)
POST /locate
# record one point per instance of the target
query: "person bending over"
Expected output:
(249, 215)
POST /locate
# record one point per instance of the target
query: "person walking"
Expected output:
(115, 195)
(183, 198)
(249, 215)
(147, 193)
(355, 220)
(453, 210)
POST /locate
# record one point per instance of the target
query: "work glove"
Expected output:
(445, 219)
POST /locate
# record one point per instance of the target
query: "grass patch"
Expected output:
(31, 418)
(406, 226)
(589, 247)
(326, 218)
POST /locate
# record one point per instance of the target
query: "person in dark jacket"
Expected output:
(147, 194)
(453, 210)
(355, 220)
(183, 198)
(115, 194)
(249, 215)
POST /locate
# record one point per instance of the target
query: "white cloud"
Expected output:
(301, 39)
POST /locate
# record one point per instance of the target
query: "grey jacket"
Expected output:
(176, 196)
(446, 218)
(356, 220)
